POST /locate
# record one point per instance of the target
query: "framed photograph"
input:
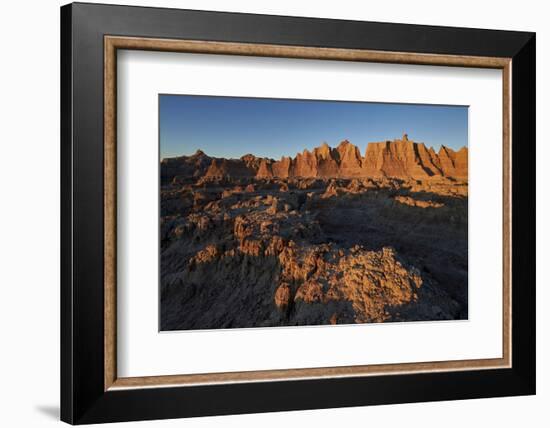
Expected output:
(266, 213)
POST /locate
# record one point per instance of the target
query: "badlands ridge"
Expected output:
(326, 237)
(399, 158)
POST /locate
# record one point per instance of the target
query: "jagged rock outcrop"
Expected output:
(454, 164)
(248, 252)
(305, 164)
(327, 161)
(220, 168)
(350, 160)
(265, 170)
(195, 165)
(400, 158)
(282, 168)
(252, 162)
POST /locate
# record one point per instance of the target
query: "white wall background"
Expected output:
(29, 217)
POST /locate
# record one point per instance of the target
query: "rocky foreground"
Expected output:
(242, 248)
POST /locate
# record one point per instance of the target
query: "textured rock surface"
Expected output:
(398, 158)
(244, 247)
(220, 168)
(454, 164)
(401, 158)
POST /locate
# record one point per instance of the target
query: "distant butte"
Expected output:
(400, 158)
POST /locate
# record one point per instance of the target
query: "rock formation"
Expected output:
(327, 237)
(350, 162)
(220, 168)
(282, 168)
(398, 159)
(454, 164)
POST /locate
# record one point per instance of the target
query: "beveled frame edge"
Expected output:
(110, 212)
(112, 43)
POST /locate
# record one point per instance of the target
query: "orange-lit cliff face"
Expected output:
(401, 158)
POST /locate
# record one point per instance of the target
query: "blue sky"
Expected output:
(231, 126)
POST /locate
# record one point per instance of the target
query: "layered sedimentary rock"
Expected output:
(282, 168)
(454, 164)
(400, 158)
(265, 169)
(350, 162)
(327, 161)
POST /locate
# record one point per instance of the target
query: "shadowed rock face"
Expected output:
(246, 243)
